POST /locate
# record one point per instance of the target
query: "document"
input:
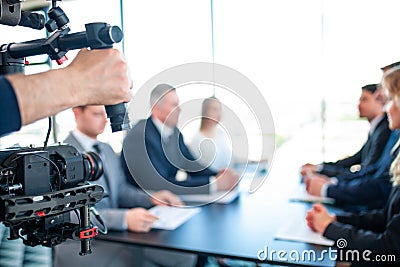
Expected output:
(221, 197)
(171, 218)
(299, 232)
(300, 194)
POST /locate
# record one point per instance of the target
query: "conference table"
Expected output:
(244, 229)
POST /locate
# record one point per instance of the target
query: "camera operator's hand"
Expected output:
(139, 220)
(166, 198)
(93, 77)
(100, 76)
(227, 179)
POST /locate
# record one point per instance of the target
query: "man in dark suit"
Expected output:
(365, 190)
(154, 152)
(374, 236)
(123, 209)
(370, 108)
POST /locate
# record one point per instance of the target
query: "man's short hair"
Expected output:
(158, 92)
(391, 65)
(370, 88)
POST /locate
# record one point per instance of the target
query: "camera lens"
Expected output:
(93, 166)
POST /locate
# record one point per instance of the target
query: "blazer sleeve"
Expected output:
(387, 242)
(341, 166)
(374, 220)
(369, 154)
(144, 163)
(130, 196)
(332, 170)
(365, 171)
(204, 171)
(369, 191)
(349, 161)
(194, 179)
(113, 218)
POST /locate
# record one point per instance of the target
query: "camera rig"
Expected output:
(40, 188)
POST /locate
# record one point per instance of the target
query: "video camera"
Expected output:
(39, 187)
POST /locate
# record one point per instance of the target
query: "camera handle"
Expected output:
(98, 35)
(119, 121)
(86, 233)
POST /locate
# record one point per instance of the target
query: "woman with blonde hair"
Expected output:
(372, 238)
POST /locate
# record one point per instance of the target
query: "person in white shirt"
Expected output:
(211, 145)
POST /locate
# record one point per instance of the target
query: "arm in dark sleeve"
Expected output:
(194, 181)
(365, 171)
(349, 161)
(340, 167)
(130, 196)
(140, 170)
(370, 191)
(165, 169)
(11, 117)
(332, 170)
(113, 218)
(387, 242)
(159, 170)
(374, 220)
(193, 164)
(384, 161)
(145, 165)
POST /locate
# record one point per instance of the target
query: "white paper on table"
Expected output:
(299, 232)
(300, 194)
(221, 197)
(171, 217)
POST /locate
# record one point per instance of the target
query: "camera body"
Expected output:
(34, 171)
(39, 188)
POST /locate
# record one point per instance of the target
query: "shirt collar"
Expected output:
(164, 130)
(375, 123)
(85, 141)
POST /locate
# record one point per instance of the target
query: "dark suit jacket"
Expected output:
(368, 189)
(377, 231)
(371, 169)
(153, 162)
(369, 153)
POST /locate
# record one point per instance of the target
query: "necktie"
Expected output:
(395, 147)
(97, 149)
